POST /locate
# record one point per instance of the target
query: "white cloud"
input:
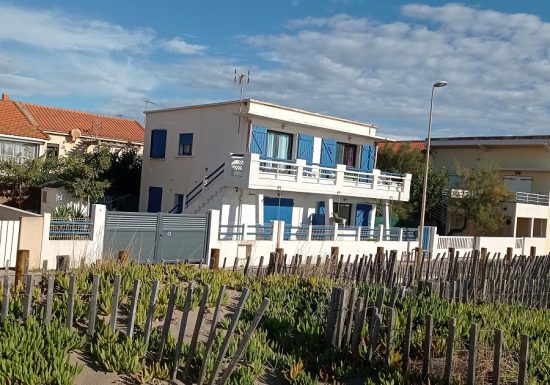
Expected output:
(55, 30)
(177, 45)
(497, 66)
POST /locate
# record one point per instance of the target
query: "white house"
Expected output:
(257, 162)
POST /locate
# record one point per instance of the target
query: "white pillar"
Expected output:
(386, 214)
(329, 212)
(381, 234)
(99, 216)
(358, 234)
(213, 233)
(335, 232)
(46, 252)
(260, 209)
(372, 217)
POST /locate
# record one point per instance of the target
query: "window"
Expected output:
(52, 150)
(17, 151)
(178, 203)
(186, 145)
(279, 145)
(345, 154)
(342, 210)
(158, 143)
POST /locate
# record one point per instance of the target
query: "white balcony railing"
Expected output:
(531, 199)
(301, 177)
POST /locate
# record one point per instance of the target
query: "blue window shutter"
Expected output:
(186, 138)
(362, 213)
(158, 143)
(328, 152)
(155, 199)
(258, 140)
(305, 148)
(368, 153)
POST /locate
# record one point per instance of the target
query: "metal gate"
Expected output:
(157, 237)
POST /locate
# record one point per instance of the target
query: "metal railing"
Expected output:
(531, 199)
(322, 233)
(231, 232)
(260, 232)
(455, 242)
(71, 229)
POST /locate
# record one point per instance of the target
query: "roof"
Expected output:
(501, 141)
(415, 144)
(13, 122)
(27, 119)
(266, 104)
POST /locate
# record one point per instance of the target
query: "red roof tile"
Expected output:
(91, 125)
(415, 144)
(14, 122)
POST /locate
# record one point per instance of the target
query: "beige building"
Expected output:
(29, 130)
(258, 162)
(523, 163)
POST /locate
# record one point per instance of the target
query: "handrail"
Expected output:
(205, 183)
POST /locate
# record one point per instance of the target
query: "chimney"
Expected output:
(5, 96)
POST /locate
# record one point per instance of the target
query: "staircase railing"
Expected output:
(204, 184)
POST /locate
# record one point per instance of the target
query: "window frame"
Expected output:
(181, 146)
(276, 144)
(54, 147)
(343, 145)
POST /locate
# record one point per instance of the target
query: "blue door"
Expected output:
(319, 217)
(154, 203)
(279, 209)
(362, 214)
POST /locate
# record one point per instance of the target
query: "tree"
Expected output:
(19, 180)
(125, 176)
(403, 158)
(477, 199)
(83, 174)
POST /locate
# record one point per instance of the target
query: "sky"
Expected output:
(366, 60)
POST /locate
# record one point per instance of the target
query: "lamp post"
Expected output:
(425, 186)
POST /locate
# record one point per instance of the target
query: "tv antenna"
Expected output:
(243, 79)
(147, 102)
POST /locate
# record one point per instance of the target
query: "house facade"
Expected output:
(523, 163)
(259, 162)
(29, 130)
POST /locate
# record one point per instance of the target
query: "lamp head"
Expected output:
(441, 83)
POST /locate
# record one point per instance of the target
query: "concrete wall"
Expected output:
(78, 250)
(8, 213)
(30, 239)
(55, 196)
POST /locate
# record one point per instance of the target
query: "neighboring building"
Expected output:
(258, 162)
(29, 130)
(523, 163)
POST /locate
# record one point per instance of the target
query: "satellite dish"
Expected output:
(75, 134)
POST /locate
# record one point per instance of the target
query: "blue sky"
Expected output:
(373, 61)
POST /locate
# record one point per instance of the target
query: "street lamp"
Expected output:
(425, 187)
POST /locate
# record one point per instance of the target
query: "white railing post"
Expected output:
(252, 168)
(375, 177)
(340, 170)
(99, 217)
(300, 163)
(400, 238)
(335, 232)
(309, 232)
(244, 230)
(358, 234)
(381, 233)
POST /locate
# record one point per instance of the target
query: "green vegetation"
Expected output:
(289, 343)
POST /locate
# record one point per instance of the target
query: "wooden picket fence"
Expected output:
(222, 376)
(348, 314)
(472, 276)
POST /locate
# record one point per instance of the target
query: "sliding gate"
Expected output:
(157, 237)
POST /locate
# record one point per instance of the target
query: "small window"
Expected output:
(52, 150)
(342, 210)
(44, 196)
(158, 143)
(178, 203)
(345, 154)
(186, 145)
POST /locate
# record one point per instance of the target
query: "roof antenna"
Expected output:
(243, 79)
(147, 102)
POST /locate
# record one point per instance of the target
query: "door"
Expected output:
(154, 203)
(279, 209)
(362, 213)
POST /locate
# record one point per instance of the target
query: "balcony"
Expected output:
(530, 198)
(250, 171)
